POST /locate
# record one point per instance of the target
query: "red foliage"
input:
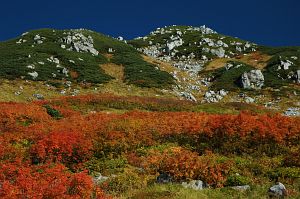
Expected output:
(66, 147)
(27, 131)
(46, 181)
(183, 164)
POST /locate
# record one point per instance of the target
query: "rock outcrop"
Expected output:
(79, 43)
(253, 79)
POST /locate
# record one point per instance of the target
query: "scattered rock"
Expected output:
(38, 96)
(249, 100)
(292, 111)
(34, 74)
(188, 96)
(18, 93)
(213, 97)
(285, 64)
(21, 41)
(38, 39)
(195, 184)
(53, 60)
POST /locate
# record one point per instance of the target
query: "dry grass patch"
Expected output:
(256, 59)
(114, 70)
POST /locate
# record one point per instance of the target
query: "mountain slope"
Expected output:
(193, 63)
(214, 63)
(74, 55)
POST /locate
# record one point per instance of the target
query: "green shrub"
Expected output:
(128, 180)
(53, 112)
(284, 172)
(237, 180)
(141, 73)
(106, 166)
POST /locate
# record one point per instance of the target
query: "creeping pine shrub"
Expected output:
(53, 112)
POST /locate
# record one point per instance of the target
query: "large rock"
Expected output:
(194, 184)
(277, 191)
(80, 43)
(253, 79)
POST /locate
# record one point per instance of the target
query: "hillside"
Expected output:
(74, 55)
(184, 112)
(193, 63)
(211, 67)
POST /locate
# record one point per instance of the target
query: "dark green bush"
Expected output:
(53, 112)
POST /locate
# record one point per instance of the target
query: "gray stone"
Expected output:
(249, 100)
(285, 64)
(194, 184)
(277, 190)
(34, 74)
(188, 96)
(292, 111)
(38, 96)
(253, 79)
(223, 92)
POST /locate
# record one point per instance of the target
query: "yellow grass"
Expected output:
(256, 59)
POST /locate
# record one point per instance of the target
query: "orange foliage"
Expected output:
(19, 180)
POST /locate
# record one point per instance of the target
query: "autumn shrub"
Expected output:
(70, 148)
(183, 164)
(20, 180)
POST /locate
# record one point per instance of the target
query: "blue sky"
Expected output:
(268, 22)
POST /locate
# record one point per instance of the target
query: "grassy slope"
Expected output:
(15, 57)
